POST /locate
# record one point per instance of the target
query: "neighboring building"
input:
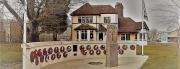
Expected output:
(2, 31)
(89, 23)
(15, 32)
(170, 36)
(163, 37)
(173, 36)
(10, 31)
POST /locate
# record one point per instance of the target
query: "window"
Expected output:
(125, 36)
(91, 34)
(84, 34)
(85, 19)
(107, 20)
(79, 19)
(143, 36)
(101, 36)
(128, 36)
(136, 36)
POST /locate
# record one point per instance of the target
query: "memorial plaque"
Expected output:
(112, 53)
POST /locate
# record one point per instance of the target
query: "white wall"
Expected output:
(41, 45)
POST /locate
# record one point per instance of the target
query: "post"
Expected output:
(24, 37)
(79, 32)
(142, 30)
(138, 37)
(88, 35)
(111, 46)
(24, 46)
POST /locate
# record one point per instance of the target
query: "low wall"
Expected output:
(41, 54)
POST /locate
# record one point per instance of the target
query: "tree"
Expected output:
(177, 5)
(38, 11)
(55, 21)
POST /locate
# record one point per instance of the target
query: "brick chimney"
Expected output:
(119, 9)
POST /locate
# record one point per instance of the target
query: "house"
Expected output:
(173, 36)
(10, 31)
(2, 32)
(168, 36)
(163, 36)
(89, 23)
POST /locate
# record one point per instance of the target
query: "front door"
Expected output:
(101, 36)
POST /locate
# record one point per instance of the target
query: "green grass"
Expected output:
(161, 56)
(10, 53)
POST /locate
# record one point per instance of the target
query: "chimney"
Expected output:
(119, 9)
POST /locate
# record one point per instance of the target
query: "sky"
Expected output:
(162, 14)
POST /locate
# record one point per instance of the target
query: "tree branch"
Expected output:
(13, 12)
(30, 9)
(22, 1)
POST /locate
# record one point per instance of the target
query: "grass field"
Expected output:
(161, 56)
(10, 56)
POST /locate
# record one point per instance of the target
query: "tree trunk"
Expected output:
(35, 32)
(54, 36)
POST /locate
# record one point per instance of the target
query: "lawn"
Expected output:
(10, 56)
(161, 56)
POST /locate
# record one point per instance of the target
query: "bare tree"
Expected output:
(37, 11)
(177, 4)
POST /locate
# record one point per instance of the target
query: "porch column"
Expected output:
(88, 35)
(79, 32)
(125, 36)
(104, 36)
(138, 35)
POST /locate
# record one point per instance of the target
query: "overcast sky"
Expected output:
(162, 14)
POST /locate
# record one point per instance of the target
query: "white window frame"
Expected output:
(107, 19)
(125, 35)
(85, 19)
(84, 32)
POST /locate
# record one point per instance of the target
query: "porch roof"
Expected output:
(102, 28)
(85, 27)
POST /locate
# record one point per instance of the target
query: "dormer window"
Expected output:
(85, 19)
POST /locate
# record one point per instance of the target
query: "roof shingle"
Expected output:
(102, 28)
(85, 27)
(126, 24)
(88, 9)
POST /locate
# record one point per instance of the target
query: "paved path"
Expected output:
(124, 63)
